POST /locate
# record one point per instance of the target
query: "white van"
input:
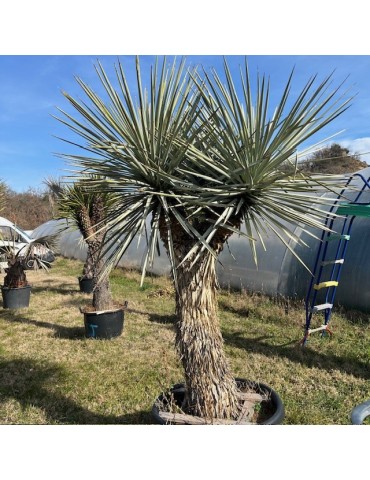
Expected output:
(14, 237)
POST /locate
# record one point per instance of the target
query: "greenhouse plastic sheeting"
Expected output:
(279, 273)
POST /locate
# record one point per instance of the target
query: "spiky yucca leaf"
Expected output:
(77, 202)
(139, 149)
(30, 255)
(202, 156)
(251, 160)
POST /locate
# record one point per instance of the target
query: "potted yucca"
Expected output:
(38, 254)
(88, 211)
(56, 189)
(202, 159)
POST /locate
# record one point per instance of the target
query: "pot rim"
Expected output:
(275, 419)
(15, 288)
(102, 312)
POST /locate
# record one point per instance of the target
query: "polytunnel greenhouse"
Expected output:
(279, 273)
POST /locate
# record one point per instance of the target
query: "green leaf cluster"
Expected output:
(194, 152)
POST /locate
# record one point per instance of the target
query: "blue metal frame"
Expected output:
(336, 270)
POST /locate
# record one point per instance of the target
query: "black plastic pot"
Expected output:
(16, 297)
(276, 406)
(86, 284)
(105, 324)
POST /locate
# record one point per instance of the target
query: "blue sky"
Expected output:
(31, 85)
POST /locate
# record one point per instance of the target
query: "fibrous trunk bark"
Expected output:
(210, 385)
(102, 295)
(15, 276)
(90, 224)
(88, 268)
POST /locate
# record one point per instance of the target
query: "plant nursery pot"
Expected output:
(271, 408)
(105, 324)
(86, 284)
(16, 297)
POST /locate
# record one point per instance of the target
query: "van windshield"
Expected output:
(24, 234)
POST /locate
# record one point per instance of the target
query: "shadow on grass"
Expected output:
(157, 318)
(240, 311)
(64, 289)
(295, 353)
(163, 319)
(60, 331)
(284, 304)
(28, 383)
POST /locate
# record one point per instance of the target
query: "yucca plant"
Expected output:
(88, 211)
(200, 160)
(30, 257)
(54, 192)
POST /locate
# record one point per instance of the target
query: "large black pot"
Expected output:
(275, 405)
(86, 284)
(105, 324)
(16, 297)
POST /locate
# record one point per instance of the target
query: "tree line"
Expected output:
(27, 209)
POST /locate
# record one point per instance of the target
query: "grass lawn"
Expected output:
(51, 374)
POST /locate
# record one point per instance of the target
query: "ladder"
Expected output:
(326, 272)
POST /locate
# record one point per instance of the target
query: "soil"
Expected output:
(257, 414)
(263, 410)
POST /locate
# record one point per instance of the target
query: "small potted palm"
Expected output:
(55, 192)
(88, 211)
(38, 254)
(16, 290)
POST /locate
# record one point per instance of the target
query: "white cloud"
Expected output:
(359, 146)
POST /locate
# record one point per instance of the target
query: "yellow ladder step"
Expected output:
(321, 285)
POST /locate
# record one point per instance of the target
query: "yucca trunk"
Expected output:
(15, 276)
(88, 268)
(90, 226)
(210, 384)
(102, 295)
(211, 388)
